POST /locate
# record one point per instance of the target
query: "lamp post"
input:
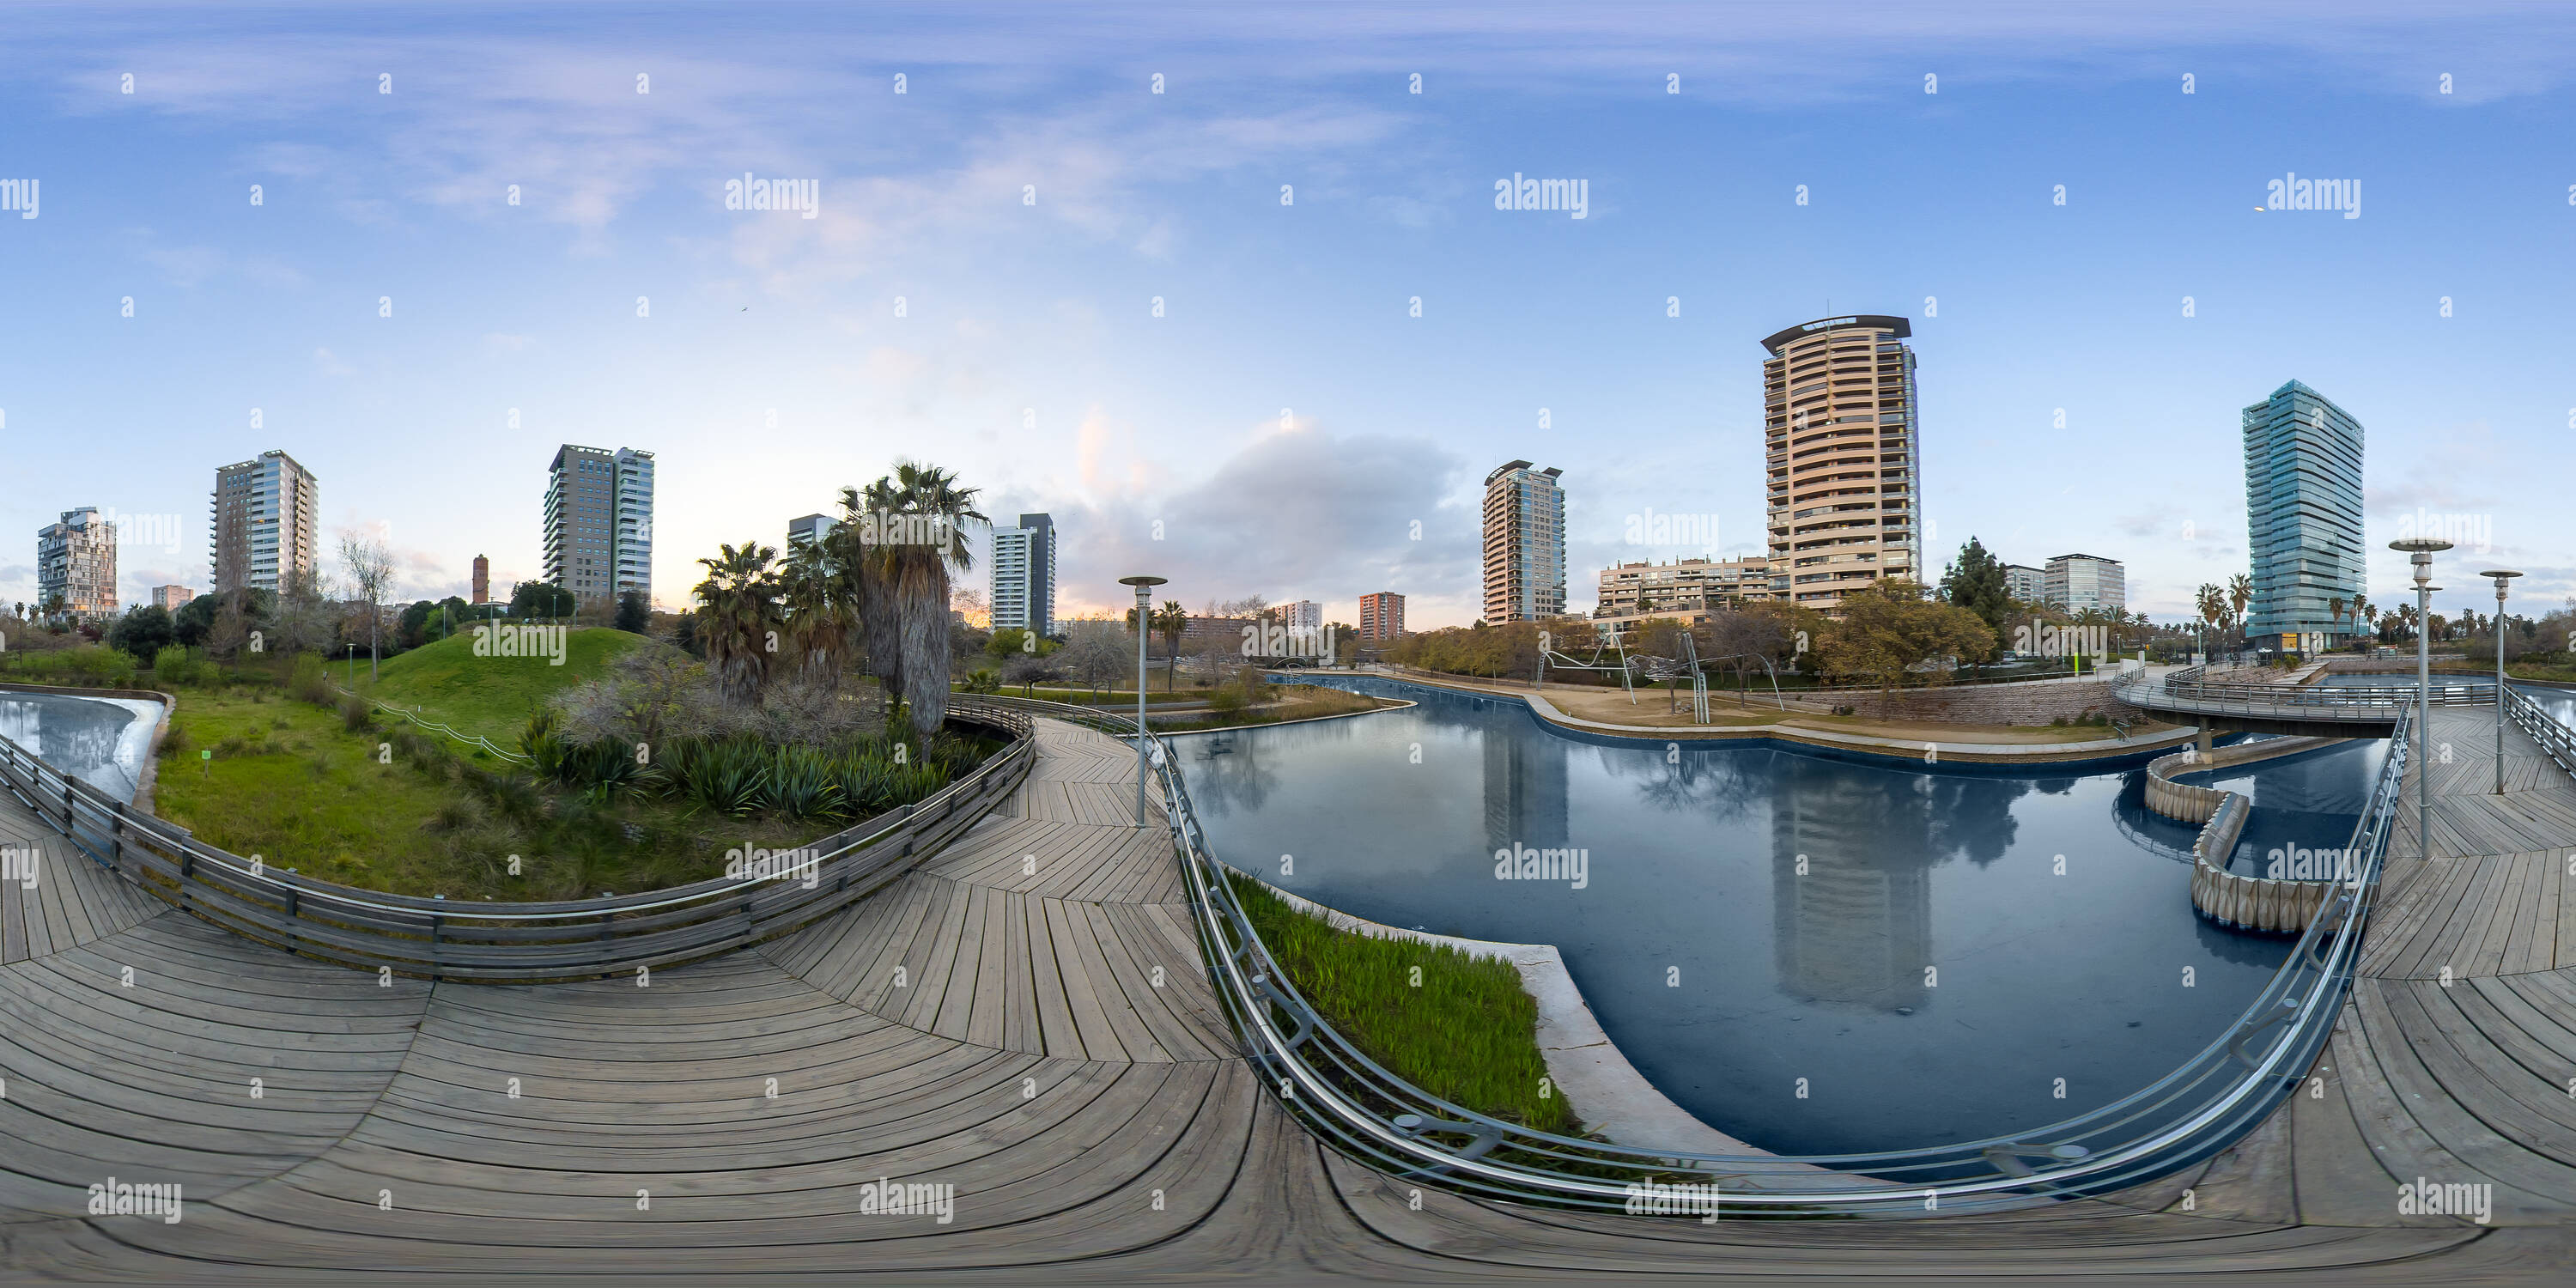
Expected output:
(2419, 553)
(2503, 578)
(1144, 627)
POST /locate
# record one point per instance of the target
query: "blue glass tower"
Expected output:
(2302, 516)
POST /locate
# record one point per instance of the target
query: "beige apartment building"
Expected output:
(1843, 459)
(1686, 586)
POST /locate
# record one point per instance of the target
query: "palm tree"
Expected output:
(818, 610)
(2240, 592)
(2334, 609)
(2212, 603)
(1172, 621)
(2360, 610)
(738, 618)
(918, 579)
(864, 563)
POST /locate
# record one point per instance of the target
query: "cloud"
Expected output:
(1290, 514)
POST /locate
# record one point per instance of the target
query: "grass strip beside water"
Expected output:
(1457, 1026)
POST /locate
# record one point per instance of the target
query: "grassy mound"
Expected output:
(492, 696)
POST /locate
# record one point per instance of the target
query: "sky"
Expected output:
(1263, 332)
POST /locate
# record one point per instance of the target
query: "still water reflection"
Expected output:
(1814, 955)
(93, 739)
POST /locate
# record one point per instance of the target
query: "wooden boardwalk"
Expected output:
(1024, 1019)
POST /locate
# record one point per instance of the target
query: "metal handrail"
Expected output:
(1361, 1108)
(2554, 738)
(517, 942)
(2183, 691)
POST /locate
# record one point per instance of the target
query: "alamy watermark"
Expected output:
(113, 1199)
(2475, 1201)
(2294, 193)
(886, 528)
(2299, 863)
(159, 531)
(18, 195)
(1689, 1198)
(800, 865)
(1518, 862)
(1653, 529)
(1517, 193)
(21, 864)
(516, 640)
(2471, 532)
(1270, 639)
(2043, 639)
(882, 1197)
(795, 196)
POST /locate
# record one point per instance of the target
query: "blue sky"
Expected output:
(1287, 421)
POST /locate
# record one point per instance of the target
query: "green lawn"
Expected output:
(291, 783)
(492, 696)
(1467, 1032)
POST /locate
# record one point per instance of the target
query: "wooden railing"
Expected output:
(512, 942)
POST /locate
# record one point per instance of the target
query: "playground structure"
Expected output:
(1655, 668)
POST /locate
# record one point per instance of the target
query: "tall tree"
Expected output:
(2240, 592)
(818, 610)
(1173, 621)
(917, 575)
(1890, 630)
(1976, 581)
(633, 613)
(370, 569)
(871, 596)
(738, 618)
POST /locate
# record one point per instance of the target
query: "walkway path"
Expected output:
(1025, 1019)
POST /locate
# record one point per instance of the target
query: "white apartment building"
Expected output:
(1024, 558)
(266, 514)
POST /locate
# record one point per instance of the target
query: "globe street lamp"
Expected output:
(2503, 579)
(1144, 621)
(2419, 553)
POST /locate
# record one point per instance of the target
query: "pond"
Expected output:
(1815, 955)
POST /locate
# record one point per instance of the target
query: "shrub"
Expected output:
(173, 666)
(356, 714)
(803, 783)
(175, 742)
(308, 682)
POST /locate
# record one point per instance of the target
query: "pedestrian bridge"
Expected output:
(2186, 696)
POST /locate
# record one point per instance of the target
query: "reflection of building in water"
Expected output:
(1524, 790)
(77, 741)
(1857, 928)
